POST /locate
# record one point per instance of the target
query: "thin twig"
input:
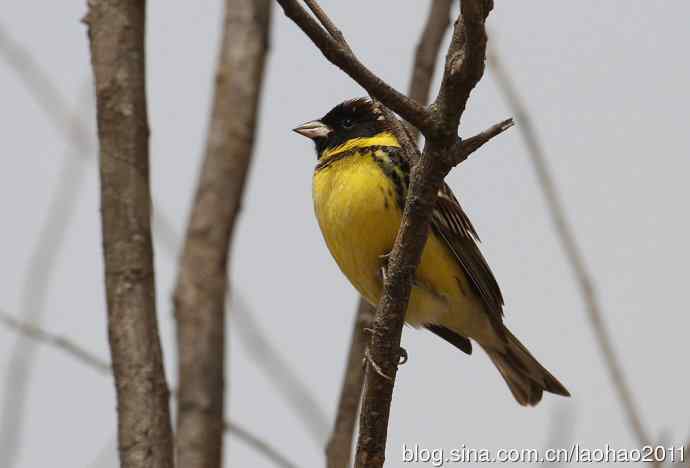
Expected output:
(260, 349)
(258, 444)
(277, 369)
(65, 345)
(339, 447)
(332, 29)
(42, 262)
(41, 87)
(38, 277)
(202, 281)
(572, 250)
(472, 144)
(116, 30)
(38, 335)
(339, 54)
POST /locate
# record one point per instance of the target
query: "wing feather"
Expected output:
(451, 224)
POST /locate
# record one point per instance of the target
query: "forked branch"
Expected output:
(439, 124)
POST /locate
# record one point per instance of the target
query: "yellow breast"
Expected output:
(357, 211)
(355, 204)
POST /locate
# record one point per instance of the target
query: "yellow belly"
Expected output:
(357, 211)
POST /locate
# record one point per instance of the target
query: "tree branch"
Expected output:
(39, 273)
(116, 31)
(464, 64)
(67, 346)
(338, 53)
(203, 276)
(472, 144)
(260, 349)
(339, 447)
(38, 335)
(41, 87)
(439, 123)
(571, 249)
(259, 445)
(427, 53)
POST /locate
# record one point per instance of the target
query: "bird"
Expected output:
(359, 188)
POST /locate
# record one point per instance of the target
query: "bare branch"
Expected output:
(472, 144)
(464, 64)
(116, 31)
(570, 247)
(38, 335)
(339, 448)
(260, 349)
(39, 274)
(278, 371)
(439, 123)
(203, 276)
(338, 54)
(41, 87)
(328, 24)
(258, 444)
(427, 53)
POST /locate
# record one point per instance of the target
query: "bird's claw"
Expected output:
(403, 356)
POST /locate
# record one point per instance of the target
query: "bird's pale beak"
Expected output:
(314, 129)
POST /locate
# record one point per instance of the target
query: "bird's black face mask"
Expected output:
(356, 118)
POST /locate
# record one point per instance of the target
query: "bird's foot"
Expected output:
(402, 359)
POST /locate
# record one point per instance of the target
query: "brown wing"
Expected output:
(451, 224)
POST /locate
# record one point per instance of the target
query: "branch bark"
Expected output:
(426, 55)
(439, 123)
(116, 31)
(203, 277)
(339, 448)
(338, 52)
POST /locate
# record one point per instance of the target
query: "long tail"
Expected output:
(526, 378)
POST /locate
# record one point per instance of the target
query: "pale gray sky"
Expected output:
(607, 86)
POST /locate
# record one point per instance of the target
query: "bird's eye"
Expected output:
(347, 123)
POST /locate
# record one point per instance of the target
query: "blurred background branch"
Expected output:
(61, 209)
(39, 336)
(339, 447)
(38, 278)
(202, 281)
(81, 149)
(571, 249)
